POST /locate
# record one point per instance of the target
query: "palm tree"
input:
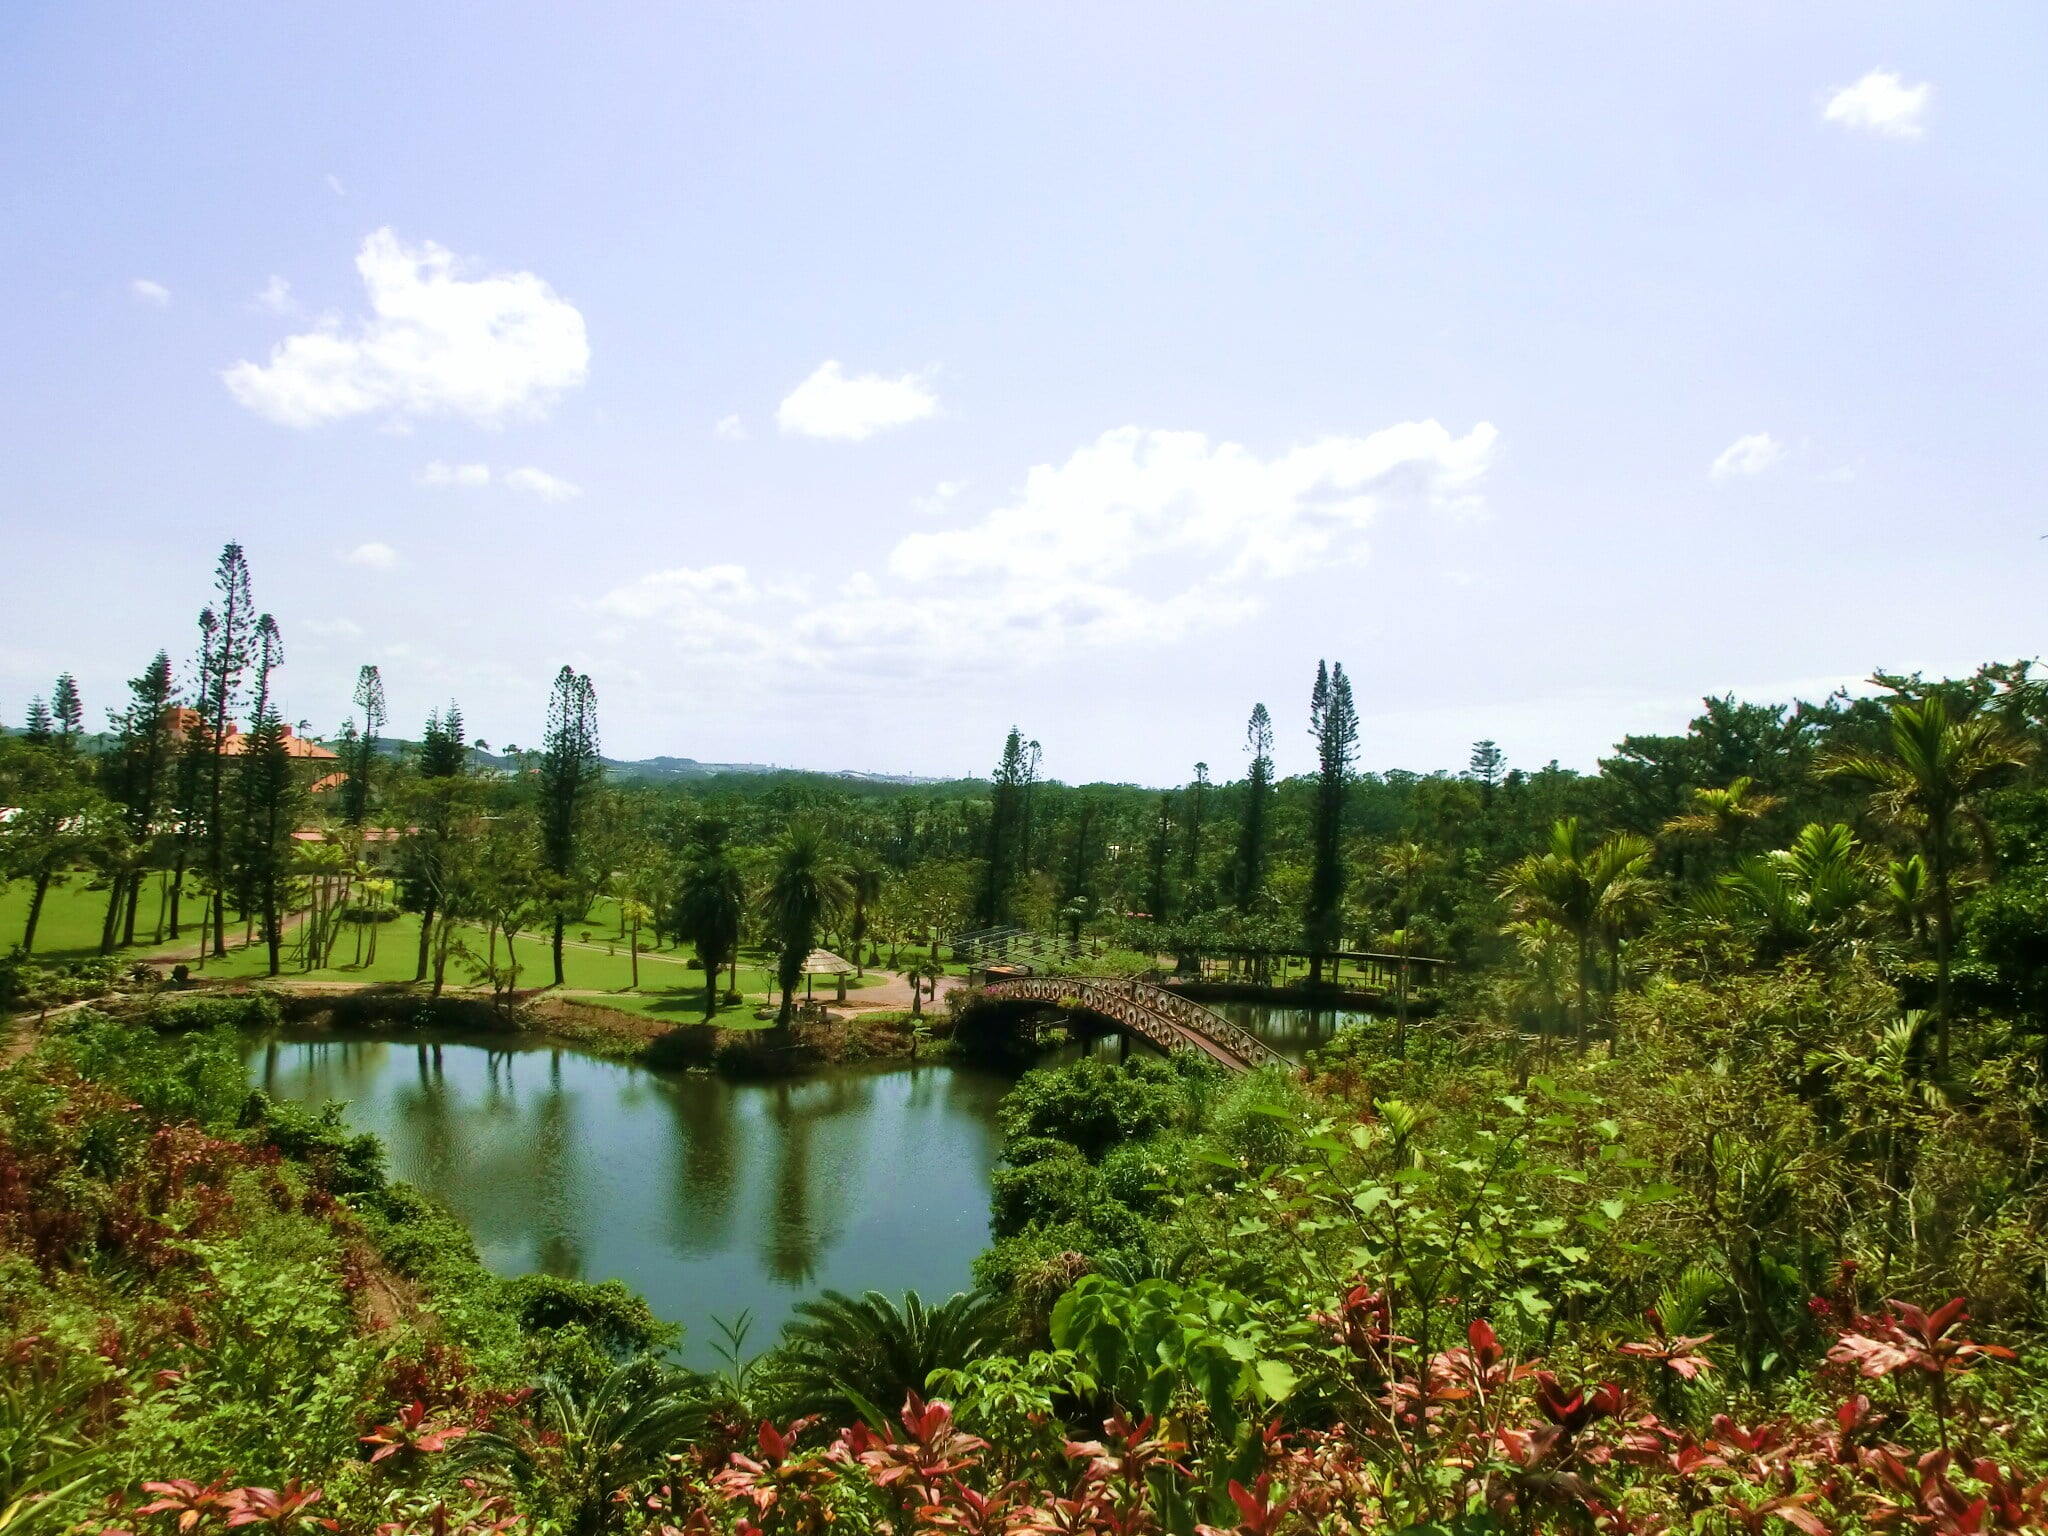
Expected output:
(1798, 897)
(864, 879)
(632, 913)
(924, 974)
(1408, 865)
(805, 893)
(1719, 817)
(709, 911)
(843, 1355)
(1593, 893)
(1926, 781)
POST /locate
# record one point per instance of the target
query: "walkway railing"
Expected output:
(1168, 1020)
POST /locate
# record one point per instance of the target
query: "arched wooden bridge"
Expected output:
(1165, 1018)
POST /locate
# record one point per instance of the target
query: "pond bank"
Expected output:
(543, 1019)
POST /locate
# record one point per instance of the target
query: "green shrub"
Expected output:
(1094, 1105)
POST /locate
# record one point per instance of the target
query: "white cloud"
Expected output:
(277, 297)
(1881, 102)
(833, 405)
(1137, 539)
(438, 473)
(538, 482)
(1750, 455)
(940, 500)
(333, 629)
(378, 557)
(731, 428)
(148, 292)
(434, 343)
(1135, 495)
(334, 185)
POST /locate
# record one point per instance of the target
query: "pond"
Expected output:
(1291, 1031)
(708, 1197)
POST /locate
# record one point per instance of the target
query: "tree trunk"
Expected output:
(135, 884)
(1579, 1022)
(177, 889)
(560, 924)
(1944, 952)
(426, 939)
(110, 926)
(711, 964)
(35, 911)
(634, 943)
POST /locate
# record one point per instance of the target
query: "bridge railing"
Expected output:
(1144, 1003)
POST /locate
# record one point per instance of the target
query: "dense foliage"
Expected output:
(1704, 1194)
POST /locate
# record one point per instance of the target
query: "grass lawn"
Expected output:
(668, 986)
(72, 913)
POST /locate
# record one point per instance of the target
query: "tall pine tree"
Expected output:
(139, 778)
(571, 769)
(436, 809)
(1001, 855)
(1333, 722)
(267, 795)
(227, 631)
(355, 793)
(1250, 874)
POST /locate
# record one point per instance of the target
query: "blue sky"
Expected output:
(838, 385)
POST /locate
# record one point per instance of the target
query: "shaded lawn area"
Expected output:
(669, 988)
(73, 910)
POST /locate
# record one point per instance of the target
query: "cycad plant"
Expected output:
(595, 1442)
(863, 1355)
(1925, 782)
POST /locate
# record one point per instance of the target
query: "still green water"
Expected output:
(1293, 1032)
(709, 1198)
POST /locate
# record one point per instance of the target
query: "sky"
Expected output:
(841, 385)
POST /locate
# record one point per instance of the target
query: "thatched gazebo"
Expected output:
(822, 962)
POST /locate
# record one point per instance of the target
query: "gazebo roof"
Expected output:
(822, 962)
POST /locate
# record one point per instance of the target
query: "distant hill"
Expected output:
(674, 769)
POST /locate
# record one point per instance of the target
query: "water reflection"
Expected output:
(708, 1197)
(1293, 1032)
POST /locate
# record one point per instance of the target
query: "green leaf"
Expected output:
(1276, 1380)
(1531, 1304)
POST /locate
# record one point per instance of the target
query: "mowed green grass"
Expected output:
(669, 987)
(72, 913)
(595, 960)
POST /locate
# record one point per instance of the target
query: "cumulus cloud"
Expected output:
(538, 482)
(731, 428)
(1138, 538)
(1881, 102)
(1135, 494)
(1749, 455)
(377, 557)
(434, 343)
(438, 473)
(276, 296)
(146, 291)
(833, 404)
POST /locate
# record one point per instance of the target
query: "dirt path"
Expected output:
(894, 992)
